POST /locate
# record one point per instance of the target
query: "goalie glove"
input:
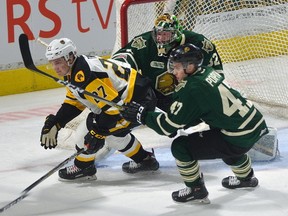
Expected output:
(134, 112)
(49, 132)
(93, 141)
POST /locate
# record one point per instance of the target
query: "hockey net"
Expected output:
(251, 38)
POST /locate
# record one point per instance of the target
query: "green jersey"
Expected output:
(142, 54)
(204, 96)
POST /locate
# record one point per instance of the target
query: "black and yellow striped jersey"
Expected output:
(109, 79)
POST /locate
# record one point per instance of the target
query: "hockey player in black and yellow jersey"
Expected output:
(202, 95)
(148, 53)
(112, 81)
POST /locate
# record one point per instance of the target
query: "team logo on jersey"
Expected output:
(79, 77)
(207, 46)
(138, 43)
(180, 85)
(156, 64)
(165, 83)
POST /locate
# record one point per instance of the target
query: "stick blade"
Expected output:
(25, 51)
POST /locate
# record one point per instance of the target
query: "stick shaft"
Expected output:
(30, 187)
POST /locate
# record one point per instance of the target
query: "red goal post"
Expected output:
(124, 16)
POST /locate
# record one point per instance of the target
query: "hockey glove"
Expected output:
(93, 141)
(49, 132)
(134, 112)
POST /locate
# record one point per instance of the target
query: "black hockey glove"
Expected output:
(49, 132)
(93, 141)
(134, 112)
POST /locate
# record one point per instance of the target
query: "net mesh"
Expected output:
(250, 36)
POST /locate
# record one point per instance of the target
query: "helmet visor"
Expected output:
(164, 36)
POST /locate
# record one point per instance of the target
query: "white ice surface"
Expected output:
(23, 161)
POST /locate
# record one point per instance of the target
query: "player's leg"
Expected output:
(130, 146)
(189, 170)
(244, 175)
(187, 150)
(83, 167)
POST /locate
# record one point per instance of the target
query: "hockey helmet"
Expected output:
(58, 48)
(163, 24)
(185, 54)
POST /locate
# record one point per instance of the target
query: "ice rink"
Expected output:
(23, 161)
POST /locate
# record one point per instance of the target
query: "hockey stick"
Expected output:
(29, 64)
(25, 192)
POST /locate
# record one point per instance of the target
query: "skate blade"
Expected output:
(206, 200)
(143, 172)
(82, 179)
(201, 201)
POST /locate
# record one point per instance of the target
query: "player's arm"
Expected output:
(127, 56)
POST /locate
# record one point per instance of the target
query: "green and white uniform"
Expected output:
(143, 55)
(204, 96)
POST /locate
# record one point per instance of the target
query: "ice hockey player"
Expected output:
(148, 53)
(112, 81)
(202, 95)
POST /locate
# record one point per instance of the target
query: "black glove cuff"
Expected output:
(50, 121)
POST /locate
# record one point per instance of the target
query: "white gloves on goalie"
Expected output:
(49, 132)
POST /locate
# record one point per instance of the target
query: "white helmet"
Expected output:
(58, 48)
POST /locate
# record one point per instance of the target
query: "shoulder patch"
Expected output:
(157, 64)
(80, 77)
(138, 43)
(207, 46)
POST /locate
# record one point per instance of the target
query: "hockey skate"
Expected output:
(232, 182)
(198, 194)
(73, 173)
(148, 164)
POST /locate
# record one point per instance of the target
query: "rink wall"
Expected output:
(90, 24)
(21, 80)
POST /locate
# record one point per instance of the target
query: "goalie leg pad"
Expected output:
(266, 148)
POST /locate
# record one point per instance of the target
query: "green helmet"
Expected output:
(166, 33)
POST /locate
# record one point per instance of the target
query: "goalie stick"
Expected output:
(29, 64)
(25, 192)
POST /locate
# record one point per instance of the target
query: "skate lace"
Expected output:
(133, 165)
(72, 169)
(233, 180)
(184, 192)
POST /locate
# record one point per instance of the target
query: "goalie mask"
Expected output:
(166, 32)
(185, 54)
(59, 48)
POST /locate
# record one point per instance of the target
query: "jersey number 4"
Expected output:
(230, 103)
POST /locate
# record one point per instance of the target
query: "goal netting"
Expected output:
(251, 38)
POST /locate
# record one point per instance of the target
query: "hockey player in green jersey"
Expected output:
(202, 95)
(148, 53)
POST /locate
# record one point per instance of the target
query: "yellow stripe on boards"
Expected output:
(23, 80)
(253, 46)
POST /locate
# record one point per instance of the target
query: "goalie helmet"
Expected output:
(59, 48)
(166, 32)
(185, 54)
